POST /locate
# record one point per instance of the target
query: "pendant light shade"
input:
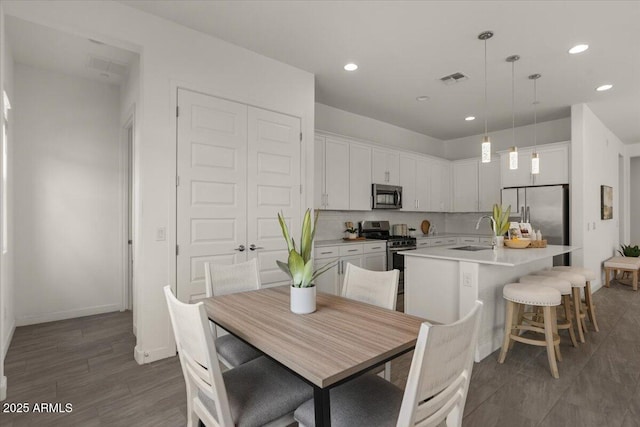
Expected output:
(486, 142)
(535, 159)
(513, 158)
(513, 151)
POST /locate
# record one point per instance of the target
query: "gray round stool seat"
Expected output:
(564, 287)
(528, 294)
(520, 294)
(589, 275)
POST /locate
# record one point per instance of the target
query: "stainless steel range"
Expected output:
(380, 230)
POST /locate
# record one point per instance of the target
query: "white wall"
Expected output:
(595, 152)
(171, 56)
(342, 122)
(67, 182)
(547, 132)
(634, 202)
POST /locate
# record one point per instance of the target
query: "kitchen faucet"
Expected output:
(495, 228)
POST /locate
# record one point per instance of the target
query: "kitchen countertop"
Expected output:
(504, 256)
(334, 242)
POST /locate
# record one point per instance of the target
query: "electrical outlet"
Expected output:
(161, 234)
(466, 280)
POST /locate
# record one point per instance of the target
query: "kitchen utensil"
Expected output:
(425, 226)
(399, 230)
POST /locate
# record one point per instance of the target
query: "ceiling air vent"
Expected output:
(454, 78)
(107, 65)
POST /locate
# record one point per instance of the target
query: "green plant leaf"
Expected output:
(306, 237)
(323, 269)
(284, 267)
(285, 232)
(296, 267)
(307, 274)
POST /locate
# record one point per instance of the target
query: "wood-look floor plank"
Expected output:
(599, 383)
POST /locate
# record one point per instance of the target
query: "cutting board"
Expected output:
(425, 226)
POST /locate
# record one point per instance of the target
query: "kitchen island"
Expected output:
(442, 283)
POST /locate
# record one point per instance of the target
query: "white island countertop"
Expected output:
(504, 256)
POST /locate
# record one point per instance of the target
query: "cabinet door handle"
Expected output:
(377, 247)
(352, 250)
(325, 253)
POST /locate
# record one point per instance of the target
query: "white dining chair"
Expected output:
(258, 393)
(373, 287)
(436, 387)
(227, 279)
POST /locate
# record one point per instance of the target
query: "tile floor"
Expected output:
(88, 362)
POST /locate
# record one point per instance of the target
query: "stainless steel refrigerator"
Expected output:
(546, 208)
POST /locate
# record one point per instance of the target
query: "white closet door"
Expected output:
(211, 195)
(273, 186)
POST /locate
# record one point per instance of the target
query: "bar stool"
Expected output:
(564, 287)
(589, 275)
(518, 294)
(578, 282)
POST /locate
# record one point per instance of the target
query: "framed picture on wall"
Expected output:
(606, 202)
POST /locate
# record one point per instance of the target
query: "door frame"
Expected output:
(127, 172)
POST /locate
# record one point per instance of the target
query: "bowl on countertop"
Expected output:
(517, 243)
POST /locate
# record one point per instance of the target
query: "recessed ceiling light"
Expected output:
(579, 48)
(604, 87)
(469, 118)
(422, 98)
(351, 67)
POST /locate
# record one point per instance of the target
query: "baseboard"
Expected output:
(148, 356)
(68, 314)
(8, 339)
(3, 388)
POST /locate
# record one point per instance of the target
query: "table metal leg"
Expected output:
(322, 406)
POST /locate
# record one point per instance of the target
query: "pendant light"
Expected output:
(486, 142)
(513, 151)
(535, 159)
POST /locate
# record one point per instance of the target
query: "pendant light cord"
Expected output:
(486, 112)
(535, 116)
(513, 101)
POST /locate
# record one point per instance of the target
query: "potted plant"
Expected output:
(299, 265)
(501, 218)
(628, 250)
(352, 233)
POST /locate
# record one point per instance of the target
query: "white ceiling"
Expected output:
(44, 47)
(404, 47)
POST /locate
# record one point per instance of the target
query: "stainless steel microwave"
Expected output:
(386, 196)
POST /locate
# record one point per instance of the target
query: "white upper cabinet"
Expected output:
(423, 180)
(342, 174)
(408, 183)
(440, 185)
(385, 167)
(488, 185)
(465, 185)
(359, 177)
(554, 166)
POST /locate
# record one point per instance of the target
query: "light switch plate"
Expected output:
(161, 234)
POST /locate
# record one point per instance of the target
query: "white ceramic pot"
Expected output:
(499, 241)
(352, 236)
(303, 300)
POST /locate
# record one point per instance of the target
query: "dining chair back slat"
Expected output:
(440, 372)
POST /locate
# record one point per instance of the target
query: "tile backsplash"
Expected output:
(331, 223)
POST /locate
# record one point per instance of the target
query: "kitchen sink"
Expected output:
(472, 248)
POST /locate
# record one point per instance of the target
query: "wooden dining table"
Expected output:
(342, 339)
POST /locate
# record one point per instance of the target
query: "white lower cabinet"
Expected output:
(371, 256)
(468, 240)
(375, 256)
